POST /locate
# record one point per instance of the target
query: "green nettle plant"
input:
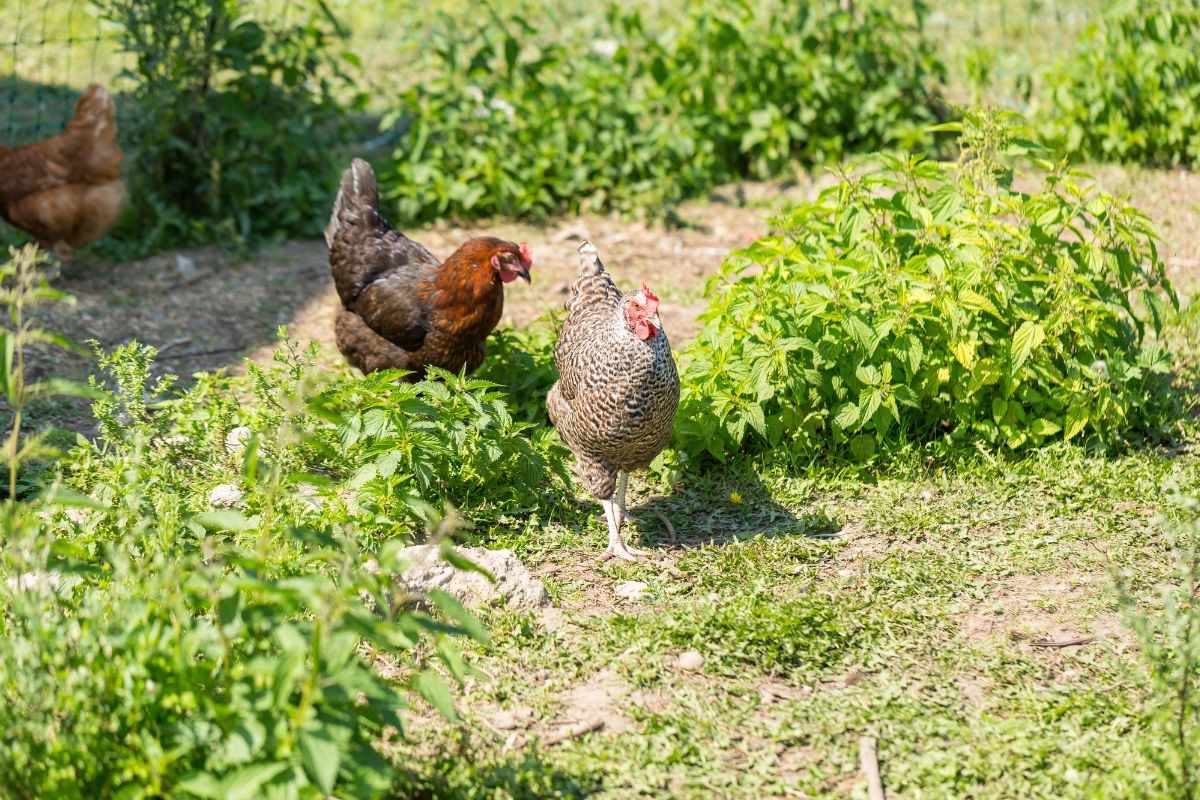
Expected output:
(447, 439)
(1169, 636)
(638, 118)
(23, 286)
(152, 645)
(919, 301)
(1131, 89)
(233, 124)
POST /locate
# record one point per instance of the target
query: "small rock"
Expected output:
(511, 719)
(225, 495)
(515, 586)
(631, 590)
(186, 266)
(236, 440)
(552, 619)
(690, 661)
(34, 581)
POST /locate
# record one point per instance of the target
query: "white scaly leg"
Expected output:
(619, 497)
(616, 545)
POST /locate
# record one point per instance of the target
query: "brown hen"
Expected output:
(401, 308)
(67, 191)
(617, 391)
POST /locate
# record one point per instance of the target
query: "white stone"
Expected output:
(690, 661)
(631, 590)
(236, 440)
(225, 495)
(515, 586)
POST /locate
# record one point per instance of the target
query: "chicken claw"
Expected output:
(616, 545)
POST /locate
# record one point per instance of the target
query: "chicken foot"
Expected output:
(616, 545)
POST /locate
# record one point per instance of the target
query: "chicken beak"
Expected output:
(525, 274)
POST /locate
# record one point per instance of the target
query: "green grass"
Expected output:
(926, 590)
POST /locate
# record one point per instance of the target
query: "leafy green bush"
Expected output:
(233, 123)
(180, 662)
(923, 301)
(152, 645)
(522, 361)
(1131, 90)
(451, 440)
(504, 123)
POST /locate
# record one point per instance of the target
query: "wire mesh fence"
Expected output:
(51, 49)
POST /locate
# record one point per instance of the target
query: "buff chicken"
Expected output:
(66, 191)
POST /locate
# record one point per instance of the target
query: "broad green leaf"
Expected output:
(1044, 427)
(964, 351)
(435, 692)
(59, 495)
(224, 520)
(452, 608)
(320, 756)
(972, 299)
(847, 416)
(1077, 419)
(1027, 339)
(755, 419)
(862, 446)
(245, 783)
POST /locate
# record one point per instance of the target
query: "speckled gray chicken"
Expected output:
(618, 388)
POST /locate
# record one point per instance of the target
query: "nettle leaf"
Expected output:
(964, 351)
(862, 446)
(754, 417)
(972, 299)
(435, 692)
(1044, 427)
(860, 332)
(847, 416)
(1027, 339)
(320, 756)
(1077, 419)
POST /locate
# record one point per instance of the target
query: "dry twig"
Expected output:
(870, 767)
(1065, 643)
(573, 732)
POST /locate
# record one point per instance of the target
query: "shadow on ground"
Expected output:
(721, 507)
(524, 776)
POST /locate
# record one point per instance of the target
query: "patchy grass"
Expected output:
(829, 607)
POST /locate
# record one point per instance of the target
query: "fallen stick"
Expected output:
(870, 766)
(1065, 643)
(573, 732)
(670, 528)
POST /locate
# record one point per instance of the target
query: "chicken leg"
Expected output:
(619, 498)
(616, 545)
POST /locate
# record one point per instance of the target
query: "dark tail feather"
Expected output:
(357, 193)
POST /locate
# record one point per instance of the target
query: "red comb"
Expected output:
(651, 297)
(526, 255)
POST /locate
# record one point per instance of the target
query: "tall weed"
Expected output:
(919, 301)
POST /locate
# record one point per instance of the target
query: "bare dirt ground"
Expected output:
(205, 310)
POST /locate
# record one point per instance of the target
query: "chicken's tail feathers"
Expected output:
(358, 192)
(95, 112)
(589, 260)
(594, 286)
